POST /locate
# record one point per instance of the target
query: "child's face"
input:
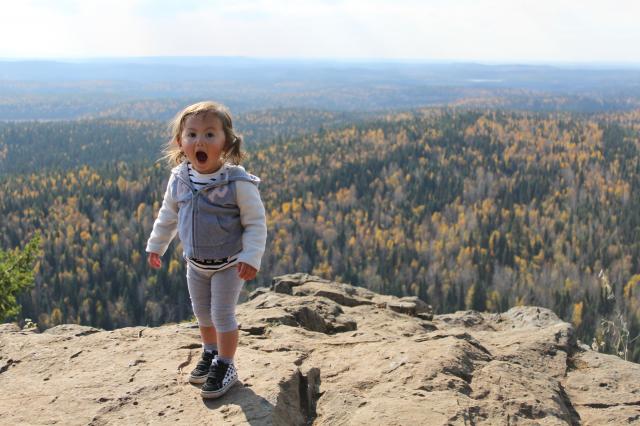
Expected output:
(203, 142)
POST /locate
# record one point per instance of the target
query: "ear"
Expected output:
(178, 142)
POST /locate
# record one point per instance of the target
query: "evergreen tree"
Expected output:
(17, 269)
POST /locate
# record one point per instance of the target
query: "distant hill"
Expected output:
(147, 88)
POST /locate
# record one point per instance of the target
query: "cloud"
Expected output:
(489, 30)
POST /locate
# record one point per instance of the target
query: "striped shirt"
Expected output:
(199, 180)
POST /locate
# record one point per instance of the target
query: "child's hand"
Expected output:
(154, 260)
(246, 272)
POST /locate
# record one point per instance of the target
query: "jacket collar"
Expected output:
(181, 171)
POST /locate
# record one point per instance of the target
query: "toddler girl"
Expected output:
(214, 206)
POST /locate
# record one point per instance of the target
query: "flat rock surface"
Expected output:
(323, 353)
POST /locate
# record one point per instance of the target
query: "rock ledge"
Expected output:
(324, 353)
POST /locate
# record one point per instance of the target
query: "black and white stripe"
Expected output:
(213, 264)
(199, 180)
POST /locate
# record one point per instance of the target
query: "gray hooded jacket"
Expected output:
(208, 221)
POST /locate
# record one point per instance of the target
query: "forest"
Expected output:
(467, 208)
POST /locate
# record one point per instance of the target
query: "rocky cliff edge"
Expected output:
(323, 353)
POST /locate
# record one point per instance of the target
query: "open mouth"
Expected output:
(201, 156)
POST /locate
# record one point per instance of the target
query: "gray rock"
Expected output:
(72, 329)
(324, 354)
(340, 294)
(257, 292)
(604, 389)
(285, 283)
(9, 327)
(466, 319)
(311, 313)
(411, 306)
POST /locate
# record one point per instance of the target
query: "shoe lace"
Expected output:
(205, 362)
(216, 372)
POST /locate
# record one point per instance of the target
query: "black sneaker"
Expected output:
(199, 374)
(219, 380)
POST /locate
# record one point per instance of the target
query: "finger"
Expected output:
(252, 273)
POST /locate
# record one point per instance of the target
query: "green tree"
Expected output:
(17, 268)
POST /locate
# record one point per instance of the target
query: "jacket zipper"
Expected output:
(194, 204)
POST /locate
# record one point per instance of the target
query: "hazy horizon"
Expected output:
(324, 60)
(478, 31)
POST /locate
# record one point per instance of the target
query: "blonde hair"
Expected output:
(232, 152)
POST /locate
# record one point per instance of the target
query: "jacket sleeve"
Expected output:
(254, 221)
(166, 224)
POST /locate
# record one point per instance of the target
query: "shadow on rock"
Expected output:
(242, 399)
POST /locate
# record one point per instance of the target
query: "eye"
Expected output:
(210, 135)
(192, 135)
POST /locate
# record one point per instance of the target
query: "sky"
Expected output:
(491, 31)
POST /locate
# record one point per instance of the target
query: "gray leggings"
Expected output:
(214, 296)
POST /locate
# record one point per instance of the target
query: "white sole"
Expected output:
(198, 380)
(218, 393)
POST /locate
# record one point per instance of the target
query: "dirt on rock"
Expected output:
(318, 352)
